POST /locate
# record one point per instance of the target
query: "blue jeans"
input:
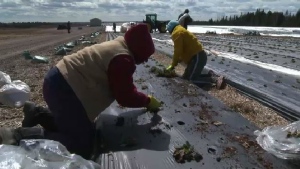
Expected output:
(194, 69)
(74, 129)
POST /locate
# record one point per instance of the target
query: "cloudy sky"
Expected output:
(128, 10)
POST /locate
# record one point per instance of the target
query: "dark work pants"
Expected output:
(194, 69)
(74, 129)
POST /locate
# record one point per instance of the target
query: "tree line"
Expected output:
(258, 18)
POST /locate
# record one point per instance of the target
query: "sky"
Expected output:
(131, 10)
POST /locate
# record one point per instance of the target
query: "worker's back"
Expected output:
(190, 45)
(184, 20)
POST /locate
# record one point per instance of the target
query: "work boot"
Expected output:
(221, 83)
(30, 113)
(219, 80)
(212, 74)
(34, 115)
(11, 136)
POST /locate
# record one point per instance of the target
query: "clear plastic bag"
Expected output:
(38, 154)
(4, 79)
(14, 94)
(278, 141)
(39, 59)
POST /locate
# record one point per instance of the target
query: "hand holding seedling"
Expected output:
(154, 105)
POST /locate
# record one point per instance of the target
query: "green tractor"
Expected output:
(153, 23)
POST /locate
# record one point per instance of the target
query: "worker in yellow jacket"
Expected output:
(189, 50)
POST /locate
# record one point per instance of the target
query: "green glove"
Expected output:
(170, 68)
(154, 105)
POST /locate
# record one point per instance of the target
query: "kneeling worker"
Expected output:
(189, 50)
(81, 86)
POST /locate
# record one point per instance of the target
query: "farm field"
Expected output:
(216, 130)
(218, 123)
(40, 42)
(268, 66)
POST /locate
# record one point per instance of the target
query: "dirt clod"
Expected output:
(144, 87)
(180, 122)
(229, 152)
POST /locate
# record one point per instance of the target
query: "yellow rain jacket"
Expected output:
(186, 45)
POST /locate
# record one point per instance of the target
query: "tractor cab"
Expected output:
(151, 18)
(153, 23)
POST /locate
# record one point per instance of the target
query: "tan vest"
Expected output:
(86, 72)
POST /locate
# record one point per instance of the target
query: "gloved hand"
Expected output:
(170, 68)
(154, 105)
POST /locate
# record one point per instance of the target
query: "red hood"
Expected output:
(139, 42)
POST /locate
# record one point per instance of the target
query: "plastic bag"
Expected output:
(27, 55)
(14, 94)
(88, 42)
(61, 51)
(70, 45)
(4, 79)
(39, 59)
(35, 59)
(278, 140)
(38, 154)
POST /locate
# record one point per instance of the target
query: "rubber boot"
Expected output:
(218, 80)
(30, 112)
(34, 115)
(11, 136)
(221, 83)
(28, 133)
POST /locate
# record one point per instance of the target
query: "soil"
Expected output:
(37, 42)
(254, 111)
(252, 146)
(274, 50)
(255, 62)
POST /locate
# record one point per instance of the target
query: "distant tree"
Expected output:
(257, 18)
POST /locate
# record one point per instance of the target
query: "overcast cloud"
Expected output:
(131, 10)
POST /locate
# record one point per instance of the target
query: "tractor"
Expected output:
(153, 23)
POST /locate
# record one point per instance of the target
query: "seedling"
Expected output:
(186, 153)
(163, 72)
(295, 134)
(249, 79)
